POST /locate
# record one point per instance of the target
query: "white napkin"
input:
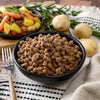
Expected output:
(81, 86)
(86, 86)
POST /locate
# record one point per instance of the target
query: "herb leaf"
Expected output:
(74, 23)
(26, 2)
(13, 9)
(74, 13)
(97, 34)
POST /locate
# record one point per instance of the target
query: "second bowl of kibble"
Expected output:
(49, 57)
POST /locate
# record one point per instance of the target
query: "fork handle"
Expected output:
(12, 91)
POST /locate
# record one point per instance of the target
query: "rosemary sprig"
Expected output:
(26, 2)
(48, 26)
(13, 9)
(97, 34)
(74, 23)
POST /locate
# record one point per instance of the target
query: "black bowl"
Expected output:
(50, 79)
(22, 35)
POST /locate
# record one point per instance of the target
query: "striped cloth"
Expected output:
(27, 89)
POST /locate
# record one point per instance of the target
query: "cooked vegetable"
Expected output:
(13, 9)
(24, 9)
(37, 25)
(2, 9)
(21, 31)
(7, 28)
(5, 19)
(28, 22)
(37, 20)
(31, 28)
(16, 21)
(83, 30)
(15, 28)
(61, 23)
(12, 14)
(90, 46)
(13, 33)
(28, 15)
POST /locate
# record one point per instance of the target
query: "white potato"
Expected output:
(91, 47)
(83, 30)
(61, 22)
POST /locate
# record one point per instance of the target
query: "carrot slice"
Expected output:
(5, 19)
(12, 14)
(28, 15)
(13, 33)
(21, 31)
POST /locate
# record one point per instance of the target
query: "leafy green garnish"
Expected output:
(13, 9)
(74, 23)
(97, 34)
(74, 13)
(26, 2)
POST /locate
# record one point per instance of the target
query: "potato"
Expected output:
(83, 30)
(61, 22)
(91, 47)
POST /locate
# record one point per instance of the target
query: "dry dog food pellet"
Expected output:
(48, 54)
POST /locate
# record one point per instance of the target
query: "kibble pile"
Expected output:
(48, 54)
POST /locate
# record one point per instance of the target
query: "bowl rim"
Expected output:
(57, 76)
(22, 35)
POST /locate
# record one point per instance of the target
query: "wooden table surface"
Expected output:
(68, 2)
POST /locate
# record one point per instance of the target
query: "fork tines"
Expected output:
(7, 58)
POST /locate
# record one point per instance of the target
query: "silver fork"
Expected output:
(7, 60)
